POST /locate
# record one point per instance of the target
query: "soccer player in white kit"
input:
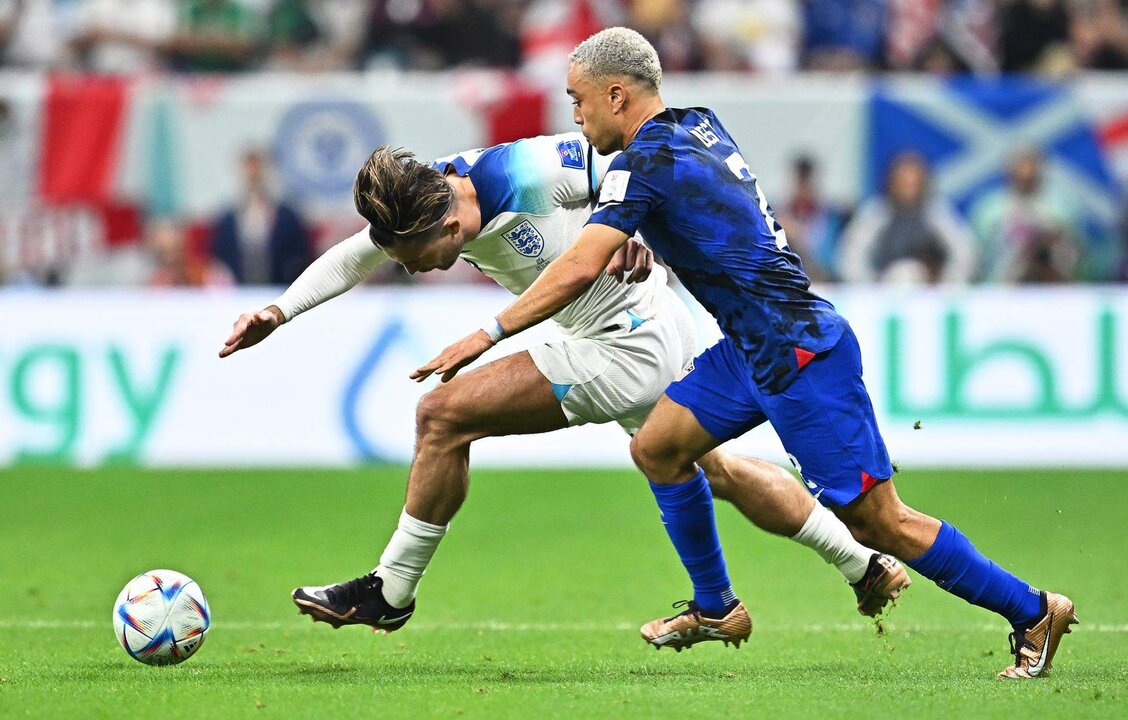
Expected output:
(510, 210)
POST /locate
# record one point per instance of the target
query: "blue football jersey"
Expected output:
(683, 183)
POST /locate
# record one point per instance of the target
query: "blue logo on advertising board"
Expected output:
(320, 145)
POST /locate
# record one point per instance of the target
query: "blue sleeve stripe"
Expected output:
(491, 181)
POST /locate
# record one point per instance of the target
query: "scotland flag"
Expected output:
(967, 129)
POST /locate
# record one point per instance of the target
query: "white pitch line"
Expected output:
(498, 626)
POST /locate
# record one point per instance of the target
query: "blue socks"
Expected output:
(687, 513)
(955, 565)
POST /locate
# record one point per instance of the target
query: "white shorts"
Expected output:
(619, 375)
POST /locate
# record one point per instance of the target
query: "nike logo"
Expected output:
(603, 206)
(1037, 668)
(711, 632)
(392, 621)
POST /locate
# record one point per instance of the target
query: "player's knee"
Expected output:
(660, 462)
(643, 456)
(437, 415)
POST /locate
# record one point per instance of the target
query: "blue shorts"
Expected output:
(824, 418)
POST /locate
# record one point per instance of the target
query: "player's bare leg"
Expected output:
(940, 552)
(506, 397)
(765, 493)
(509, 396)
(879, 519)
(665, 449)
(667, 446)
(771, 498)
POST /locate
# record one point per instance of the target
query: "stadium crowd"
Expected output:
(772, 36)
(1031, 230)
(1028, 231)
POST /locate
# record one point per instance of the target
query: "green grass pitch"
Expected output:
(532, 605)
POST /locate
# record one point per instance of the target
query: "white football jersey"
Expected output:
(535, 196)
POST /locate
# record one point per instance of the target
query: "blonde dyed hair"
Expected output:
(400, 197)
(619, 52)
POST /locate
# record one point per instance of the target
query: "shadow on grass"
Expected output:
(413, 672)
(748, 672)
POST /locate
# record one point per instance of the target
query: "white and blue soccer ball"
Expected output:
(161, 617)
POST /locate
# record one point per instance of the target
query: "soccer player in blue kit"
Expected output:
(787, 357)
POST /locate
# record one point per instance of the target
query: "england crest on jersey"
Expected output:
(525, 239)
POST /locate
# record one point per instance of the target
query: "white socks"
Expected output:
(406, 557)
(827, 535)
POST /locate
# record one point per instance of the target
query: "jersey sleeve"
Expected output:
(338, 270)
(566, 164)
(636, 184)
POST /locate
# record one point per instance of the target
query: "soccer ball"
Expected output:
(161, 617)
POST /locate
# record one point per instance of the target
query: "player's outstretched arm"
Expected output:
(251, 329)
(564, 280)
(338, 270)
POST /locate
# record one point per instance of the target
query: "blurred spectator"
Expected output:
(470, 32)
(438, 34)
(316, 35)
(811, 223)
(35, 33)
(912, 26)
(941, 37)
(770, 36)
(757, 35)
(907, 235)
(173, 265)
(844, 35)
(123, 36)
(9, 17)
(1027, 230)
(215, 35)
(1031, 33)
(291, 33)
(1099, 35)
(666, 25)
(939, 58)
(341, 28)
(262, 240)
(160, 259)
(40, 243)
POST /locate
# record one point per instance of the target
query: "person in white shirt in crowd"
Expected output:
(123, 36)
(1028, 229)
(35, 34)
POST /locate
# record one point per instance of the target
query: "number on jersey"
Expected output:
(740, 169)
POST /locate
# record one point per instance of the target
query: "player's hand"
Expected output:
(251, 329)
(455, 357)
(633, 260)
